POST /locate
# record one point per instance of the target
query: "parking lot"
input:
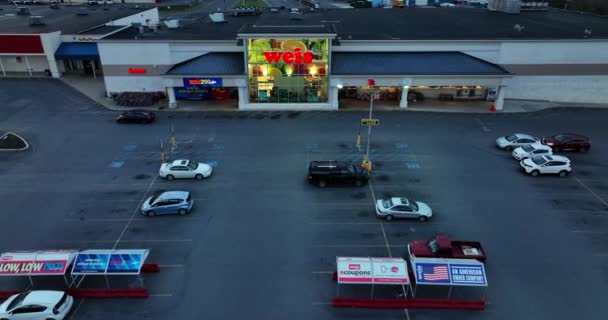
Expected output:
(261, 242)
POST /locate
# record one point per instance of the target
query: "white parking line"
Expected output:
(593, 193)
(133, 215)
(171, 265)
(161, 295)
(589, 231)
(75, 310)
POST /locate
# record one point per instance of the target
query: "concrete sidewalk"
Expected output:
(95, 89)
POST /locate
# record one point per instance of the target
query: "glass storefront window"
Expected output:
(287, 70)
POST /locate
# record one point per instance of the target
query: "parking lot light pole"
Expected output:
(369, 127)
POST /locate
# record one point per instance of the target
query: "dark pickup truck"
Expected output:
(441, 246)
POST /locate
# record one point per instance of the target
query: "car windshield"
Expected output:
(154, 197)
(414, 205)
(539, 160)
(17, 301)
(434, 245)
(528, 148)
(387, 203)
(511, 138)
(192, 165)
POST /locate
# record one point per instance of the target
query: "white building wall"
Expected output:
(133, 83)
(553, 52)
(37, 63)
(578, 89)
(500, 52)
(50, 43)
(182, 51)
(146, 17)
(134, 53)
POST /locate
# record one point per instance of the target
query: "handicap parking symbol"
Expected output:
(117, 164)
(412, 165)
(401, 146)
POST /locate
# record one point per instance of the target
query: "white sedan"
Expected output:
(402, 208)
(37, 305)
(515, 140)
(547, 165)
(184, 169)
(531, 150)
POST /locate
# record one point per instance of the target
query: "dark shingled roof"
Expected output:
(458, 23)
(414, 63)
(216, 63)
(65, 19)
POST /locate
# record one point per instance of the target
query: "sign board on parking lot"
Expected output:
(128, 261)
(36, 262)
(370, 122)
(388, 271)
(449, 272)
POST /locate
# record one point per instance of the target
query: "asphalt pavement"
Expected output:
(261, 242)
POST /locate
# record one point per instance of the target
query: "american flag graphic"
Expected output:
(439, 273)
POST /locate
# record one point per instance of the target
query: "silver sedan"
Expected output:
(402, 208)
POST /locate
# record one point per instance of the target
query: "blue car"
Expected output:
(168, 202)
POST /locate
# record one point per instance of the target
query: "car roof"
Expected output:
(572, 135)
(556, 158)
(46, 297)
(181, 162)
(523, 135)
(173, 195)
(397, 201)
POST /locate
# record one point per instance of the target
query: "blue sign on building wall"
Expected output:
(203, 82)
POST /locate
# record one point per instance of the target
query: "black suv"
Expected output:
(323, 173)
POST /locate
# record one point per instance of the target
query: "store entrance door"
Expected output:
(359, 98)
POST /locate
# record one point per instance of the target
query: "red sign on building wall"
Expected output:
(297, 56)
(21, 44)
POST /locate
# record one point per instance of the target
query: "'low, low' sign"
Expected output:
(370, 122)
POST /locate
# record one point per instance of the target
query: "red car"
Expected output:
(568, 141)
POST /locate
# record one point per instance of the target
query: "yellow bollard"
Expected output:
(358, 141)
(367, 165)
(162, 157)
(173, 142)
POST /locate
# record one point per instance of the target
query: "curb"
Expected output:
(27, 145)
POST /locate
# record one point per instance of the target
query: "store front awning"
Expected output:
(77, 51)
(412, 63)
(213, 63)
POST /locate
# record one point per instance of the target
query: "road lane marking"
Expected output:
(593, 193)
(135, 211)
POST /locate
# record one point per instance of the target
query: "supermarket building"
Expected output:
(325, 59)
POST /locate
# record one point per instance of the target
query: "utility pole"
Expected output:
(373, 94)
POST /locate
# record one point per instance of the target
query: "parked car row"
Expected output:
(537, 156)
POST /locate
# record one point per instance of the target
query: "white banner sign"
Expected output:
(391, 271)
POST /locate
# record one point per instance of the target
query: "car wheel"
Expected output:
(584, 149)
(199, 177)
(182, 212)
(508, 148)
(322, 184)
(170, 177)
(151, 213)
(358, 183)
(563, 173)
(423, 218)
(534, 173)
(388, 217)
